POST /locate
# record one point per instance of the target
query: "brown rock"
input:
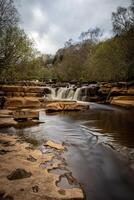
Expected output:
(41, 185)
(22, 102)
(19, 174)
(66, 106)
(7, 122)
(25, 114)
(54, 145)
(125, 101)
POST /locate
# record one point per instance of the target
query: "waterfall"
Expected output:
(61, 93)
(77, 94)
(51, 94)
(70, 93)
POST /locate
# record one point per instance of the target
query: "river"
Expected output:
(103, 173)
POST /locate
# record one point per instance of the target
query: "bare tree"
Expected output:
(92, 34)
(8, 14)
(8, 20)
(123, 19)
(68, 43)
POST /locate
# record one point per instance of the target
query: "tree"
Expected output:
(92, 35)
(19, 60)
(68, 43)
(8, 21)
(15, 47)
(123, 19)
(8, 14)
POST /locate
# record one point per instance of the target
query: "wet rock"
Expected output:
(57, 171)
(66, 106)
(54, 145)
(67, 182)
(19, 174)
(41, 185)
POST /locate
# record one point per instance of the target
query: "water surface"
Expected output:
(103, 173)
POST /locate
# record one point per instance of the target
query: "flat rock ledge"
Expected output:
(124, 101)
(24, 172)
(54, 145)
(66, 106)
(19, 118)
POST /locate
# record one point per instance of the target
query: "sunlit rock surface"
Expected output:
(21, 178)
(25, 114)
(54, 145)
(66, 106)
(125, 101)
(22, 102)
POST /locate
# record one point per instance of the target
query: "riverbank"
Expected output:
(120, 94)
(88, 155)
(25, 172)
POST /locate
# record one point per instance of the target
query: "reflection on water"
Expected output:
(109, 123)
(103, 174)
(114, 124)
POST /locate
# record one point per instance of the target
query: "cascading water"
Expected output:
(69, 93)
(77, 94)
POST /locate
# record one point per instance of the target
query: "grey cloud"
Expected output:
(52, 22)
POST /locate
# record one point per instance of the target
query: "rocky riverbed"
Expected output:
(29, 173)
(43, 171)
(120, 94)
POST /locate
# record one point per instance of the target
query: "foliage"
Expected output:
(88, 59)
(15, 47)
(92, 60)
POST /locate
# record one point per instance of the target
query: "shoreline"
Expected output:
(52, 168)
(26, 172)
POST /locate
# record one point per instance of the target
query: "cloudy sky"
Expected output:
(52, 22)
